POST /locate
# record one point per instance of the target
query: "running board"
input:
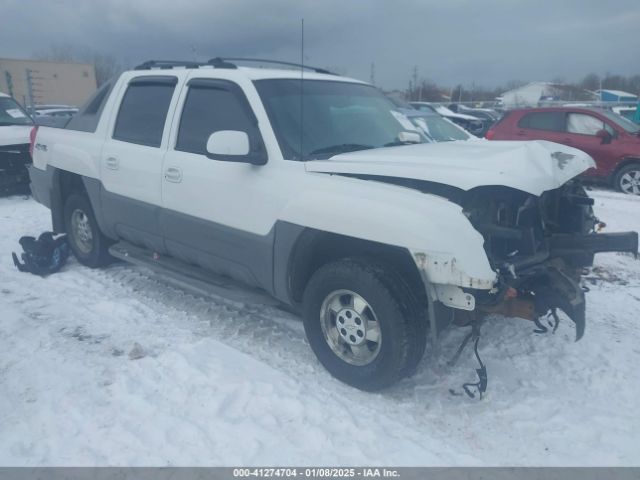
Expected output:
(190, 277)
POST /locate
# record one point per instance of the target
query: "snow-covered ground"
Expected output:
(116, 367)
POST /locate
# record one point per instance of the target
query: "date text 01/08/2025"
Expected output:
(323, 472)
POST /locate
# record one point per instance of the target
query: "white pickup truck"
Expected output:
(310, 187)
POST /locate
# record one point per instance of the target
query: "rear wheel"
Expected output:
(87, 242)
(362, 324)
(627, 180)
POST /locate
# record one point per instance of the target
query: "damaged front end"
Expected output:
(540, 247)
(14, 177)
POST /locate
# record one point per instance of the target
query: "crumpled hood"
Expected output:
(533, 167)
(15, 134)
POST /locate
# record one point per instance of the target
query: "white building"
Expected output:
(49, 83)
(537, 93)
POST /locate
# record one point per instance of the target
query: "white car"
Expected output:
(435, 127)
(303, 185)
(15, 126)
(462, 119)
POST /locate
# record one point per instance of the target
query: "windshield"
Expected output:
(439, 129)
(337, 117)
(621, 121)
(12, 114)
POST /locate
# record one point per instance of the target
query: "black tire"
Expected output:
(401, 324)
(620, 180)
(93, 253)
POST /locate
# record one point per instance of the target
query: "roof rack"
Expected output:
(166, 64)
(226, 60)
(220, 62)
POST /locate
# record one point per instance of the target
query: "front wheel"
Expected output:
(363, 324)
(627, 180)
(87, 242)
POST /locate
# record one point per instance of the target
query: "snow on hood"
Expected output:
(533, 167)
(14, 134)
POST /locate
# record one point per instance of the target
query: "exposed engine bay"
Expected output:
(541, 247)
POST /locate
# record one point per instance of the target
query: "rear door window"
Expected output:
(87, 118)
(550, 121)
(584, 124)
(143, 110)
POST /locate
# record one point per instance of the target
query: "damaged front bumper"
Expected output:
(555, 284)
(529, 288)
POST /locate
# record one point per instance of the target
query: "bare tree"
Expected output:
(591, 82)
(513, 84)
(424, 90)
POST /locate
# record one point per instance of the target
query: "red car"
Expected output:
(612, 140)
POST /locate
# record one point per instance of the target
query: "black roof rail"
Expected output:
(221, 63)
(166, 64)
(224, 62)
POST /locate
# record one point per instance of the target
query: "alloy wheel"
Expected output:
(350, 327)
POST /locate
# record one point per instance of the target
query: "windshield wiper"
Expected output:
(12, 124)
(342, 148)
(397, 143)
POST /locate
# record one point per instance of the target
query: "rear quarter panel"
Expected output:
(74, 151)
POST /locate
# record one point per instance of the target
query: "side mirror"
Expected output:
(228, 142)
(234, 146)
(604, 136)
(409, 137)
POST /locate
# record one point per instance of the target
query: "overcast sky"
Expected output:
(486, 42)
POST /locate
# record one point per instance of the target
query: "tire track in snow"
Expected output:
(550, 401)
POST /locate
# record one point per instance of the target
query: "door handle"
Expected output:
(112, 163)
(173, 174)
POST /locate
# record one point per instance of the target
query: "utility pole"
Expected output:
(35, 87)
(415, 81)
(7, 75)
(372, 74)
(601, 88)
(29, 73)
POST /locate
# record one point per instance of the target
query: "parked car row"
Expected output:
(612, 140)
(476, 121)
(608, 135)
(469, 122)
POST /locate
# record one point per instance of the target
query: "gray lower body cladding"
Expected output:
(260, 261)
(243, 256)
(41, 182)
